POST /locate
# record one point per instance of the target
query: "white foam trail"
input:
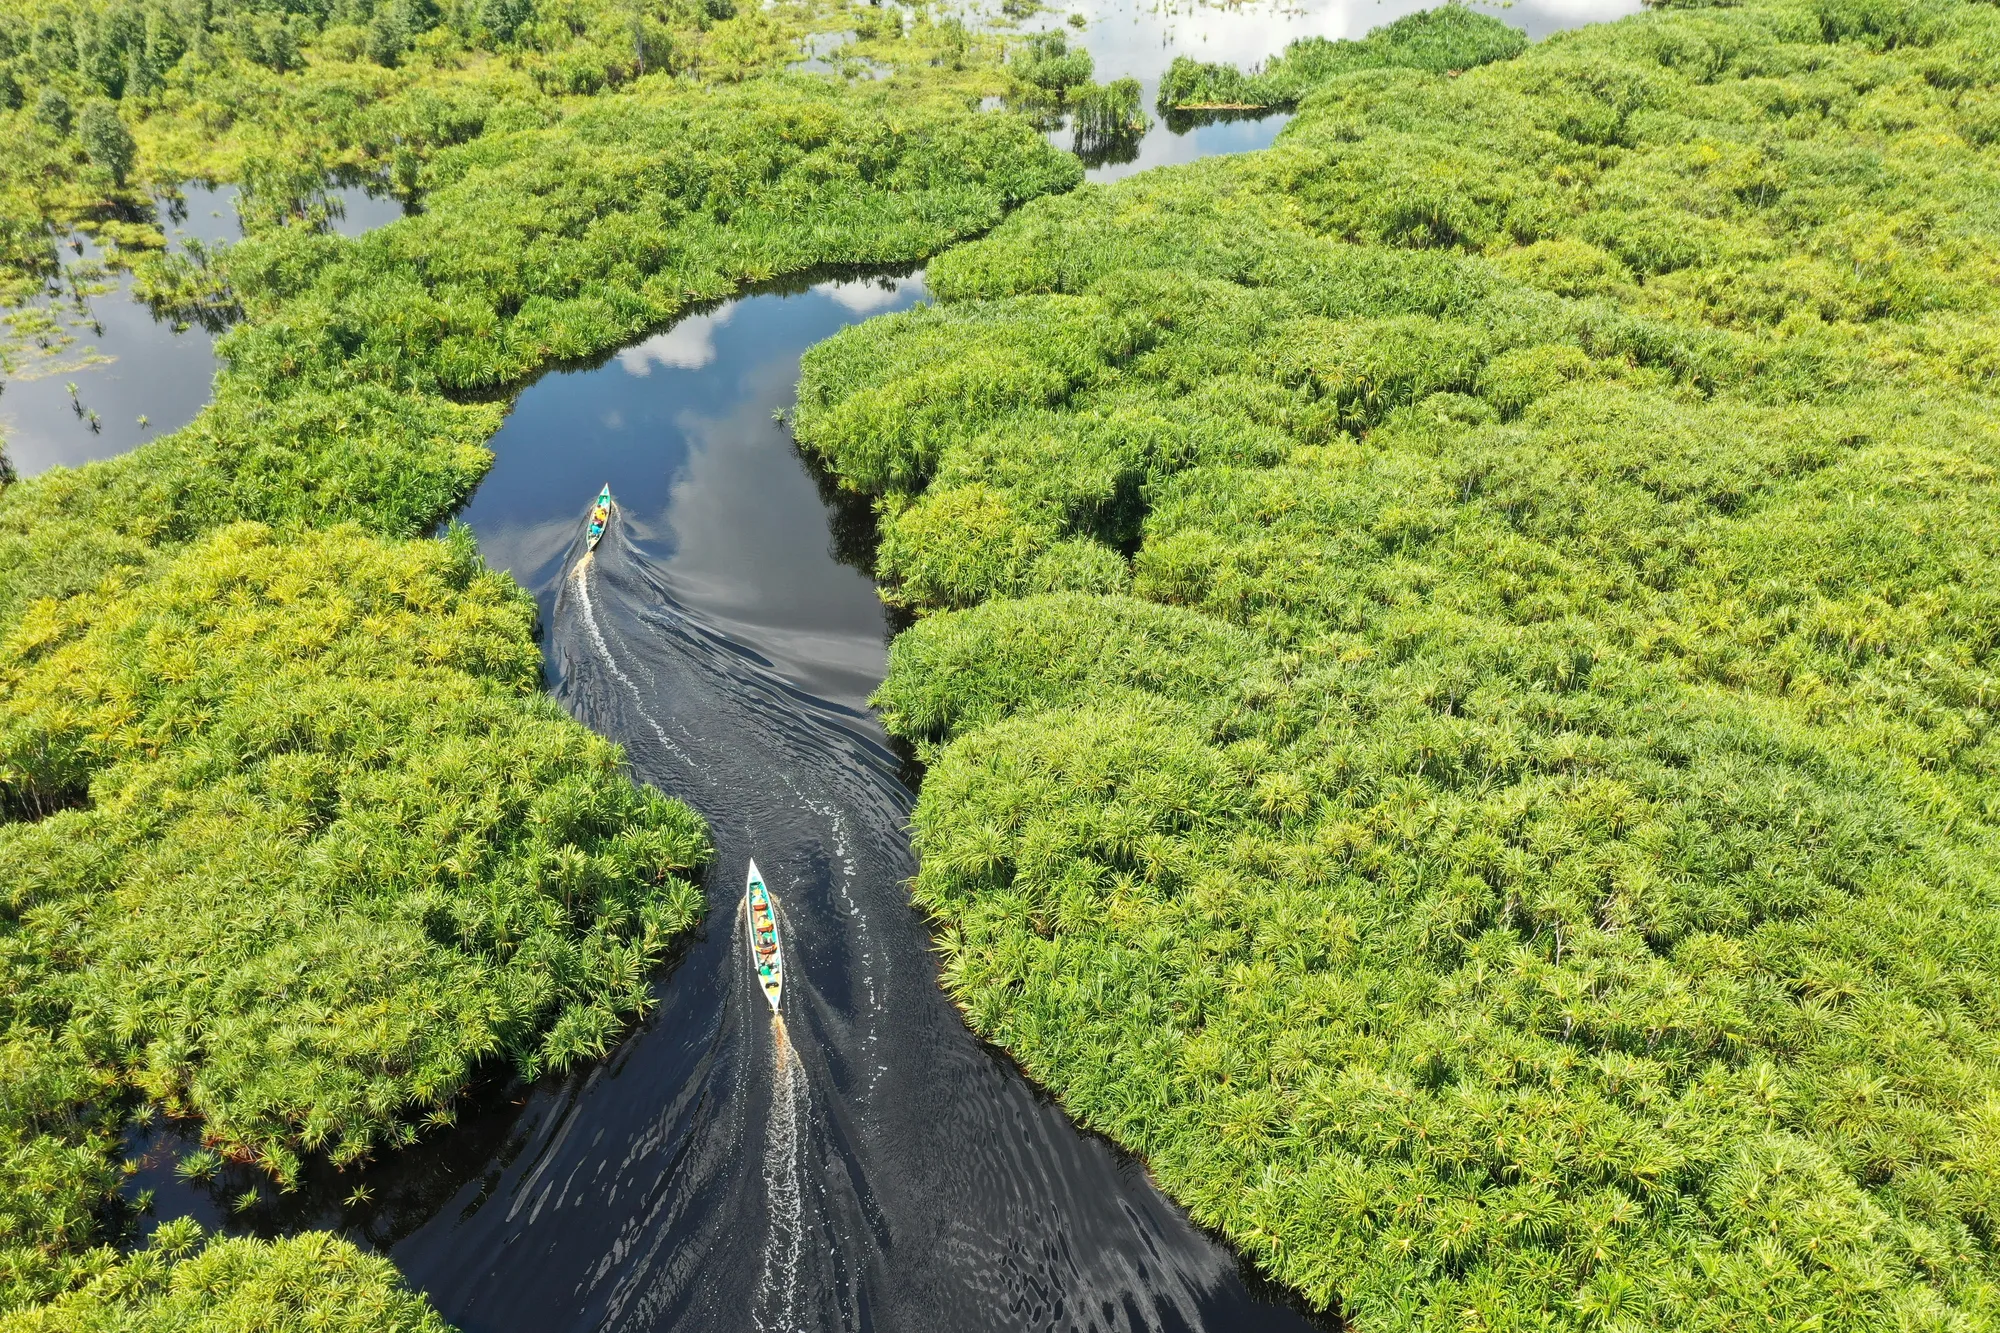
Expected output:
(777, 1307)
(582, 582)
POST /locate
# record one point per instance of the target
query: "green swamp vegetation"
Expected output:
(290, 841)
(1456, 668)
(1052, 80)
(1445, 40)
(104, 102)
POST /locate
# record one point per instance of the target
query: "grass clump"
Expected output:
(1508, 837)
(1447, 39)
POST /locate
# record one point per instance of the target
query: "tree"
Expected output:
(53, 110)
(388, 35)
(504, 18)
(107, 140)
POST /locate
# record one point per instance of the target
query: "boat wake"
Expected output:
(778, 1287)
(901, 1175)
(581, 582)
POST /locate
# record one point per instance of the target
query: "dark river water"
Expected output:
(865, 1163)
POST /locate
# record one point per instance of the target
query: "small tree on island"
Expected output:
(107, 140)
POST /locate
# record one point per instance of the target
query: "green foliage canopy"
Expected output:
(1502, 815)
(337, 846)
(106, 139)
(1444, 40)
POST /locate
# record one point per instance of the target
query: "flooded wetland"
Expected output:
(630, 1136)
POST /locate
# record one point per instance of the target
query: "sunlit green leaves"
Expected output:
(1529, 863)
(341, 851)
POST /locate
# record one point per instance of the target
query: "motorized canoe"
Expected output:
(765, 954)
(599, 517)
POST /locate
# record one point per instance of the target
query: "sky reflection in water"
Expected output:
(709, 485)
(1135, 39)
(140, 365)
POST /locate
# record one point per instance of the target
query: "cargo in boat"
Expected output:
(765, 955)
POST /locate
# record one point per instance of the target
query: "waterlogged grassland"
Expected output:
(275, 97)
(336, 848)
(312, 1283)
(1457, 672)
(345, 395)
(291, 841)
(1445, 40)
(311, 844)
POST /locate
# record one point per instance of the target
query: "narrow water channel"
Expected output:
(866, 1163)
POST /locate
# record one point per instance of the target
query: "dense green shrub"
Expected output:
(337, 846)
(1106, 113)
(309, 844)
(236, 90)
(1447, 39)
(107, 140)
(1048, 63)
(313, 1283)
(1529, 864)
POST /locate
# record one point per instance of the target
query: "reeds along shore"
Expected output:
(290, 840)
(1456, 669)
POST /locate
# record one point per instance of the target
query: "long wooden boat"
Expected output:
(765, 954)
(599, 517)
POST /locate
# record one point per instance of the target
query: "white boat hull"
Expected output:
(767, 959)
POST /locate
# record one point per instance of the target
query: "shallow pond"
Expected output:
(128, 363)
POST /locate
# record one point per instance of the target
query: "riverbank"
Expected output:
(1453, 677)
(251, 720)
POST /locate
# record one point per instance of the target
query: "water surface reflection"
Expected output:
(1140, 39)
(128, 362)
(866, 1163)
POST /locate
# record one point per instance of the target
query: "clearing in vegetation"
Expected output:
(1457, 674)
(290, 840)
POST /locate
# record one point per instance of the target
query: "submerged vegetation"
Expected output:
(290, 840)
(1456, 667)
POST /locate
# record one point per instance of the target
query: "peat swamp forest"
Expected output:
(1433, 712)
